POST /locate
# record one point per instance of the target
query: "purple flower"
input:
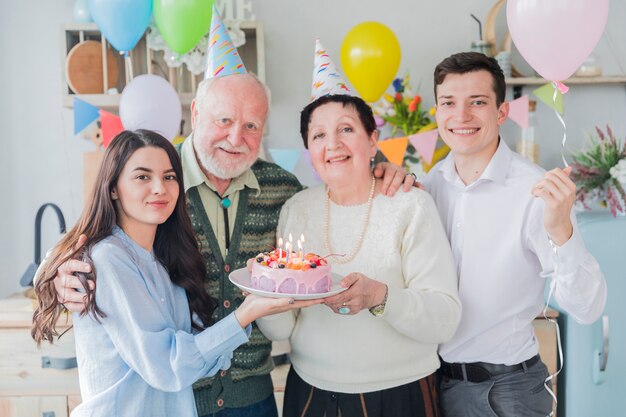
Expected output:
(398, 86)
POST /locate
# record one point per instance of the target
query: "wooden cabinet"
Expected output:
(146, 61)
(27, 389)
(33, 406)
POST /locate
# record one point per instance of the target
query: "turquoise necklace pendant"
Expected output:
(225, 202)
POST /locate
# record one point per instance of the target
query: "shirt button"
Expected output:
(227, 268)
(220, 402)
(226, 304)
(458, 224)
(223, 374)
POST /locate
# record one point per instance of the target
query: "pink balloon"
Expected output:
(150, 102)
(556, 36)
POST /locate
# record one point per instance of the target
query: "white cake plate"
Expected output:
(241, 278)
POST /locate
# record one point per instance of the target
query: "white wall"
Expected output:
(41, 161)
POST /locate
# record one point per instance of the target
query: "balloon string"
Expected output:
(558, 335)
(129, 66)
(558, 86)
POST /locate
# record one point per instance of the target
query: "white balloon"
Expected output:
(150, 102)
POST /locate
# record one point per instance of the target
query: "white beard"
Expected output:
(228, 170)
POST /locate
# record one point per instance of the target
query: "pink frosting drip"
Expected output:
(290, 281)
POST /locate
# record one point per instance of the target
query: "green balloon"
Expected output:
(182, 23)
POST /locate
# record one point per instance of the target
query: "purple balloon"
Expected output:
(150, 102)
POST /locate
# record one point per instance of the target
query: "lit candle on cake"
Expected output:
(303, 251)
(300, 249)
(280, 248)
(290, 245)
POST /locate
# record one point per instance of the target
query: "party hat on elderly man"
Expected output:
(222, 56)
(326, 78)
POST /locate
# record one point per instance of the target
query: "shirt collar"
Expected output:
(137, 249)
(499, 165)
(194, 176)
(495, 171)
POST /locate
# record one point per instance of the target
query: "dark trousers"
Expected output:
(415, 399)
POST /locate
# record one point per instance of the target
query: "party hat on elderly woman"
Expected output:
(222, 56)
(326, 78)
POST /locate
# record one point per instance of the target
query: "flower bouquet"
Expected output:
(404, 114)
(600, 172)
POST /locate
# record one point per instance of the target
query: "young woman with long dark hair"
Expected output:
(136, 351)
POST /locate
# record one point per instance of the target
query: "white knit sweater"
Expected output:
(406, 248)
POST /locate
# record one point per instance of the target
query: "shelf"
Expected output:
(147, 61)
(112, 101)
(609, 79)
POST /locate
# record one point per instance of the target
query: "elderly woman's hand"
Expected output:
(362, 293)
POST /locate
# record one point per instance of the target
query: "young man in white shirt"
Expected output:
(511, 226)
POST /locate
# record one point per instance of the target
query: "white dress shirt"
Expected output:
(503, 256)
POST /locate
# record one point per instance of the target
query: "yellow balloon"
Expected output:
(370, 57)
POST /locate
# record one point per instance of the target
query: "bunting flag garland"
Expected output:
(518, 111)
(84, 115)
(285, 158)
(546, 93)
(307, 156)
(438, 155)
(111, 126)
(425, 144)
(394, 149)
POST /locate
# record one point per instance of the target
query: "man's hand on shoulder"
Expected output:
(394, 177)
(68, 286)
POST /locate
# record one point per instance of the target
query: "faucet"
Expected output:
(29, 274)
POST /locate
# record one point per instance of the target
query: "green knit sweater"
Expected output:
(247, 381)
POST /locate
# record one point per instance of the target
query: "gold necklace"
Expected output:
(345, 259)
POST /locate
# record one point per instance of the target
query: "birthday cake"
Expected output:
(279, 272)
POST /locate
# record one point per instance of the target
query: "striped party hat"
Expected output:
(326, 78)
(222, 56)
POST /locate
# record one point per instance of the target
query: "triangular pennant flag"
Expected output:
(518, 111)
(111, 126)
(84, 114)
(425, 143)
(222, 56)
(545, 94)
(285, 158)
(307, 157)
(394, 149)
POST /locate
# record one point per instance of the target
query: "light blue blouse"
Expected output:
(142, 359)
